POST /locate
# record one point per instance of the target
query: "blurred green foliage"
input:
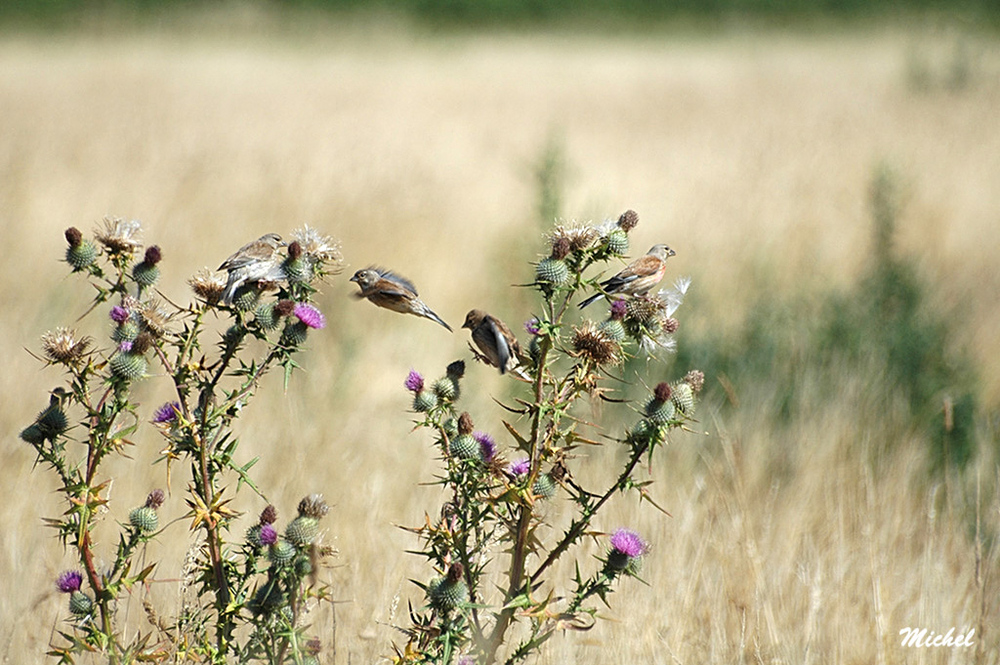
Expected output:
(627, 13)
(881, 333)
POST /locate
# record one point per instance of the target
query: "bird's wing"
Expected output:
(497, 329)
(401, 282)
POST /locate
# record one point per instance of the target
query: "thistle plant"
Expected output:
(253, 595)
(495, 593)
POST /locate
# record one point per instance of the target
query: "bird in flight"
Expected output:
(387, 289)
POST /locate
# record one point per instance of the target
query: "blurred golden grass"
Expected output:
(748, 153)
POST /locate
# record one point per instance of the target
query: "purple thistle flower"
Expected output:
(69, 581)
(119, 314)
(487, 445)
(167, 413)
(629, 543)
(531, 325)
(519, 467)
(309, 315)
(414, 382)
(125, 346)
(618, 309)
(268, 535)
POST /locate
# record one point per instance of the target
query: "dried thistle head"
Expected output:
(465, 425)
(313, 506)
(644, 309)
(593, 345)
(456, 370)
(560, 248)
(269, 515)
(119, 236)
(155, 316)
(628, 220)
(318, 249)
(63, 346)
(662, 392)
(155, 499)
(696, 379)
(73, 236)
(578, 237)
(208, 285)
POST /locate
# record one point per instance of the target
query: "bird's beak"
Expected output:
(353, 279)
(671, 252)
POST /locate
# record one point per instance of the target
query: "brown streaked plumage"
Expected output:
(390, 291)
(255, 261)
(499, 348)
(638, 277)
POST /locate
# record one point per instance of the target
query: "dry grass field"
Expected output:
(750, 153)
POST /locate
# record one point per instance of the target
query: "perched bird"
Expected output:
(389, 290)
(497, 343)
(255, 261)
(638, 277)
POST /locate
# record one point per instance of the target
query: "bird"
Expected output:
(638, 277)
(255, 261)
(497, 343)
(387, 289)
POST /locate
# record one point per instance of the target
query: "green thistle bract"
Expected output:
(552, 271)
(246, 298)
(145, 274)
(80, 604)
(424, 401)
(683, 398)
(281, 553)
(660, 413)
(82, 255)
(445, 595)
(446, 388)
(617, 242)
(544, 486)
(465, 446)
(298, 271)
(302, 530)
(52, 421)
(294, 333)
(613, 329)
(126, 331)
(128, 366)
(144, 519)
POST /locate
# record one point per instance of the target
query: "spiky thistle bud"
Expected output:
(424, 401)
(544, 487)
(125, 331)
(246, 297)
(302, 530)
(296, 269)
(144, 519)
(80, 253)
(80, 604)
(448, 592)
(660, 409)
(552, 272)
(281, 553)
(128, 365)
(617, 242)
(683, 397)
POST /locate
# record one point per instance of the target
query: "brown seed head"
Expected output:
(73, 236)
(643, 308)
(456, 370)
(628, 220)
(207, 286)
(153, 255)
(62, 346)
(593, 345)
(269, 515)
(455, 572)
(294, 250)
(313, 506)
(662, 392)
(142, 342)
(696, 379)
(284, 307)
(560, 248)
(155, 499)
(465, 425)
(670, 325)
